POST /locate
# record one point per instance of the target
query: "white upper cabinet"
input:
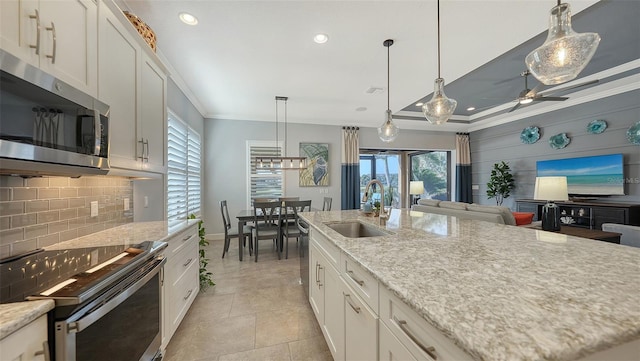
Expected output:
(58, 36)
(153, 116)
(134, 84)
(118, 87)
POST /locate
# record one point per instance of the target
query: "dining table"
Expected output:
(244, 216)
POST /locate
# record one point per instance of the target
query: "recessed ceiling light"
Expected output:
(188, 19)
(471, 109)
(419, 104)
(321, 38)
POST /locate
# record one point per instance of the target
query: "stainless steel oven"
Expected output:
(122, 324)
(107, 299)
(44, 120)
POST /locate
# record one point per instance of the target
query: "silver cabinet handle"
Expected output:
(188, 294)
(319, 281)
(353, 277)
(37, 18)
(145, 145)
(186, 238)
(44, 352)
(52, 29)
(141, 141)
(187, 263)
(317, 273)
(431, 351)
(146, 142)
(348, 298)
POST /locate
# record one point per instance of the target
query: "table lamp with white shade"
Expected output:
(416, 188)
(551, 189)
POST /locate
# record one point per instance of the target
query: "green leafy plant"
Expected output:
(205, 276)
(501, 182)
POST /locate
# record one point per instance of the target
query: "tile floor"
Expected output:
(256, 311)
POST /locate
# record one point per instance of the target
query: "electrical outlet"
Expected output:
(126, 204)
(475, 187)
(146, 202)
(94, 209)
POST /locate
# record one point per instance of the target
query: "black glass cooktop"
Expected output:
(65, 273)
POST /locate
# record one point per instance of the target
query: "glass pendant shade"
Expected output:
(440, 108)
(565, 53)
(388, 131)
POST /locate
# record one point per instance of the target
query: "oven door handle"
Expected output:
(88, 320)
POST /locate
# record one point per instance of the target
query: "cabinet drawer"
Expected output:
(181, 262)
(185, 289)
(180, 240)
(415, 333)
(361, 328)
(330, 250)
(361, 281)
(390, 348)
(26, 343)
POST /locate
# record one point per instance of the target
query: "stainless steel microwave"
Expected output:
(48, 127)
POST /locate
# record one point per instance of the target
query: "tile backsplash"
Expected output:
(39, 212)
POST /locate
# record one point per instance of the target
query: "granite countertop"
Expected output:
(14, 316)
(502, 292)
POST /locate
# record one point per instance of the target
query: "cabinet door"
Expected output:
(316, 290)
(334, 312)
(72, 55)
(153, 119)
(361, 329)
(18, 29)
(390, 348)
(118, 88)
(608, 215)
(27, 343)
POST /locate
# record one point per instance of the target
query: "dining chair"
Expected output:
(291, 229)
(266, 218)
(326, 204)
(232, 232)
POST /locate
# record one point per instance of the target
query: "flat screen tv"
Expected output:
(600, 175)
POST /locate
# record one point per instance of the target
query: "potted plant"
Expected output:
(501, 182)
(205, 276)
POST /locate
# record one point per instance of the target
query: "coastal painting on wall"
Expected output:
(317, 172)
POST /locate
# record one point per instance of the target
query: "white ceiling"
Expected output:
(243, 53)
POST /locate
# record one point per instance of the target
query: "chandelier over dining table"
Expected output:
(281, 161)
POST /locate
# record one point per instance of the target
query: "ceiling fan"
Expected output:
(532, 95)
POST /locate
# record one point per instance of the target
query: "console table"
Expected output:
(586, 214)
(598, 235)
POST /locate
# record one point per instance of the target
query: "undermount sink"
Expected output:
(356, 229)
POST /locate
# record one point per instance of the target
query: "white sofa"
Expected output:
(495, 214)
(630, 234)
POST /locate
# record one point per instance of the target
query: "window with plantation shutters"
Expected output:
(263, 183)
(183, 170)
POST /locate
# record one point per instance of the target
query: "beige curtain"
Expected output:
(463, 168)
(350, 174)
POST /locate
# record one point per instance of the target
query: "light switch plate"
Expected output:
(475, 187)
(94, 209)
(126, 204)
(146, 202)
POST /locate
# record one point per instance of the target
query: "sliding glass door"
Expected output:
(432, 168)
(384, 167)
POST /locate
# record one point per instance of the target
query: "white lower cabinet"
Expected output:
(361, 328)
(422, 340)
(327, 301)
(181, 281)
(390, 348)
(27, 343)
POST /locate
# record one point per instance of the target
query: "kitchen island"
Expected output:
(500, 292)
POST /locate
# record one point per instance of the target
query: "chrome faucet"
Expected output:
(382, 215)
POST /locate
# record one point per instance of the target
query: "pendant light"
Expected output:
(440, 108)
(281, 162)
(388, 131)
(565, 53)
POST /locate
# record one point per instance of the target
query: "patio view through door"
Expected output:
(384, 167)
(432, 168)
